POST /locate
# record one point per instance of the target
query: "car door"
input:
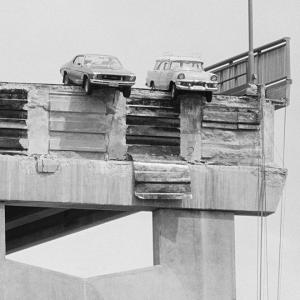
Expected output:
(72, 69)
(165, 76)
(77, 70)
(157, 75)
(153, 75)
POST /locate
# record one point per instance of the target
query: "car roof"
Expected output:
(173, 57)
(94, 54)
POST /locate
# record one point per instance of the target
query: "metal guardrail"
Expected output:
(271, 66)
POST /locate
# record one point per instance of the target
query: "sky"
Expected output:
(38, 36)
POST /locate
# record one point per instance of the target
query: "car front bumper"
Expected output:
(197, 86)
(112, 83)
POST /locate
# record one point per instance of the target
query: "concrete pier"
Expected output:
(199, 248)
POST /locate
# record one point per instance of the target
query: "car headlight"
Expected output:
(132, 78)
(180, 76)
(97, 76)
(214, 78)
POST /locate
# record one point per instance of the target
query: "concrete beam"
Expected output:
(111, 185)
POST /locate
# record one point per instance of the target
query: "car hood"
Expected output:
(196, 75)
(111, 71)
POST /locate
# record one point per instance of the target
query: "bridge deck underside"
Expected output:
(29, 226)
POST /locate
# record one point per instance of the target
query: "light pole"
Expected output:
(250, 74)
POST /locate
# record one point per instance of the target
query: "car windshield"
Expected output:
(105, 62)
(187, 65)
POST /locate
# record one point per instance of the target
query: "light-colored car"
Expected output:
(175, 73)
(90, 70)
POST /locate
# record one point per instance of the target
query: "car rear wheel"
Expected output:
(66, 79)
(87, 86)
(126, 92)
(152, 85)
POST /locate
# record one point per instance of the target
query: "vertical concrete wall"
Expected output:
(199, 247)
(64, 122)
(38, 121)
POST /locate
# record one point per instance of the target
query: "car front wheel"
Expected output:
(87, 86)
(174, 98)
(208, 96)
(126, 92)
(66, 79)
(174, 91)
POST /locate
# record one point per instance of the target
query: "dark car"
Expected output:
(89, 70)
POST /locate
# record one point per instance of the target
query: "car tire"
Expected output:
(173, 90)
(87, 86)
(126, 92)
(208, 96)
(174, 96)
(152, 85)
(66, 79)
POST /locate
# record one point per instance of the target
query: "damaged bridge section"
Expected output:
(69, 161)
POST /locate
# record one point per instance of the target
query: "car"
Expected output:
(181, 73)
(90, 70)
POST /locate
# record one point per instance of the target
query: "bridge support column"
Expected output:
(198, 246)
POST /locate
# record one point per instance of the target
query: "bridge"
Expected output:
(70, 161)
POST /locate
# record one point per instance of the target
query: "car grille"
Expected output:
(204, 84)
(115, 77)
(185, 83)
(111, 77)
(200, 84)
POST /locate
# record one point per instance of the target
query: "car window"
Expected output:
(157, 64)
(166, 65)
(75, 61)
(105, 62)
(160, 66)
(187, 65)
(78, 60)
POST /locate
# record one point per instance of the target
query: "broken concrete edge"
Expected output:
(109, 184)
